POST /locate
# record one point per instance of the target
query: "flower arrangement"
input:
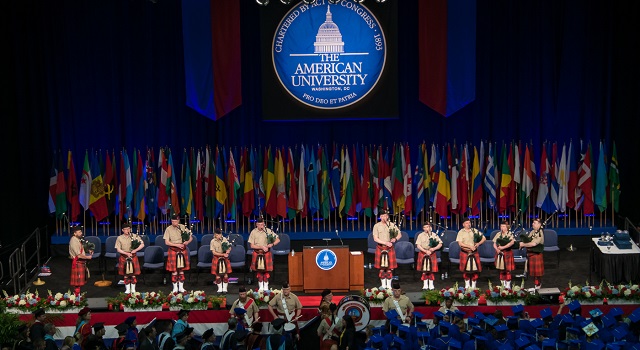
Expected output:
(262, 297)
(432, 297)
(65, 301)
(587, 292)
(28, 301)
(499, 294)
(189, 301)
(376, 295)
(622, 292)
(461, 295)
(138, 301)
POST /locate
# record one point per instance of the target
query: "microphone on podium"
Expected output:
(341, 243)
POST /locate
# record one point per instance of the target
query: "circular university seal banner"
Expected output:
(329, 56)
(326, 259)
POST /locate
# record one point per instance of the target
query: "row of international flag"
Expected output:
(317, 180)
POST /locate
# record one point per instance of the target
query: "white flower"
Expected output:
(516, 288)
(72, 297)
(131, 300)
(22, 302)
(58, 296)
(137, 294)
(153, 294)
(587, 294)
(460, 296)
(634, 287)
(627, 292)
(146, 302)
(63, 303)
(190, 300)
(575, 289)
(266, 298)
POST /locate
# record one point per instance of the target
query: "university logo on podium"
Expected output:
(326, 259)
(329, 56)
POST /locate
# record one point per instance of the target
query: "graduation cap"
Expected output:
(512, 320)
(278, 323)
(188, 330)
(620, 332)
(395, 322)
(574, 331)
(542, 331)
(85, 310)
(517, 309)
(129, 320)
(595, 345)
(455, 344)
(21, 328)
(608, 321)
(490, 320)
(616, 345)
(501, 327)
(595, 313)
(635, 315)
(207, 334)
(536, 323)
(424, 336)
(479, 315)
(473, 321)
(459, 313)
(122, 328)
(239, 311)
(182, 313)
(418, 315)
(522, 342)
(566, 319)
(574, 305)
(181, 336)
(532, 347)
(38, 312)
(445, 324)
(615, 312)
(376, 339)
(482, 339)
(391, 314)
(549, 342)
(505, 347)
(476, 331)
(590, 329)
(438, 314)
(544, 313)
(98, 326)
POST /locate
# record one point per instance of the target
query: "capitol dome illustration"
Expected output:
(328, 39)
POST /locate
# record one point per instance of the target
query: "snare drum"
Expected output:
(289, 327)
(357, 307)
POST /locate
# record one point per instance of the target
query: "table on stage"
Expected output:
(306, 274)
(615, 265)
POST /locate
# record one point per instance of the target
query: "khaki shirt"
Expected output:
(381, 231)
(537, 236)
(252, 310)
(403, 301)
(216, 245)
(124, 243)
(324, 327)
(174, 234)
(293, 303)
(423, 239)
(259, 238)
(466, 237)
(75, 247)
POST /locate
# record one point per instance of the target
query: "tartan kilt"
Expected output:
(392, 257)
(171, 259)
(214, 265)
(326, 344)
(78, 273)
(122, 263)
(509, 263)
(535, 263)
(268, 261)
(463, 261)
(432, 257)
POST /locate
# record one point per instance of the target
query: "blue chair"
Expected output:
(159, 242)
(487, 253)
(154, 260)
(237, 259)
(404, 237)
(454, 254)
(283, 247)
(205, 258)
(551, 243)
(193, 247)
(97, 252)
(145, 239)
(236, 238)
(405, 254)
(493, 234)
(371, 246)
(111, 254)
(448, 236)
(206, 240)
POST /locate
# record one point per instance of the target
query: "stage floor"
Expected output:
(573, 266)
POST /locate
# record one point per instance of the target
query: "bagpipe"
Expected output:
(185, 235)
(526, 237)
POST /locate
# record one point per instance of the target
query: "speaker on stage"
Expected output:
(549, 295)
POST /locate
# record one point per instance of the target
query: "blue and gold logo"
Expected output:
(329, 56)
(326, 259)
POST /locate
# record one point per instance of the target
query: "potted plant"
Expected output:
(376, 295)
(9, 324)
(432, 297)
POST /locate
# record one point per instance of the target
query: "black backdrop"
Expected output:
(88, 74)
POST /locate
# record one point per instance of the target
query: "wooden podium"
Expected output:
(347, 274)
